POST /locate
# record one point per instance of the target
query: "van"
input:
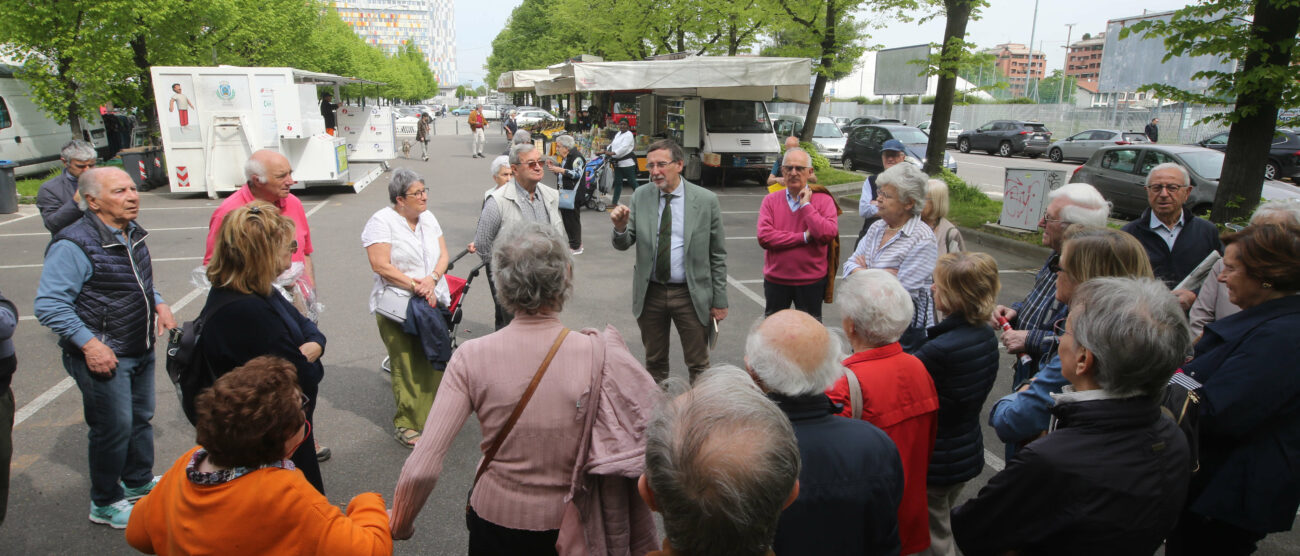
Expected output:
(28, 136)
(827, 137)
(723, 138)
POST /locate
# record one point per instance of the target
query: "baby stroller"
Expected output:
(458, 287)
(596, 181)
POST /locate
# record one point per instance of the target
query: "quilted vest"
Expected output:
(116, 303)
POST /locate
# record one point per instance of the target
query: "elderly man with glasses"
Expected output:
(58, 199)
(526, 198)
(1175, 239)
(795, 229)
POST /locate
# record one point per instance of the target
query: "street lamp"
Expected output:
(1060, 89)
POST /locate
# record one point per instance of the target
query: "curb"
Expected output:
(992, 240)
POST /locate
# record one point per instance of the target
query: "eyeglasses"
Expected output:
(1054, 266)
(658, 165)
(1059, 328)
(532, 163)
(1171, 188)
(293, 246)
(305, 400)
(419, 193)
(793, 169)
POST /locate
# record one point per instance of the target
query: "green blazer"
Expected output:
(706, 252)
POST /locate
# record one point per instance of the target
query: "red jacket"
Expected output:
(898, 396)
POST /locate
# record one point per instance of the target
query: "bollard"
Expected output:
(8, 188)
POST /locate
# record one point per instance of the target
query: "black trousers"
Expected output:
(502, 316)
(1196, 535)
(806, 298)
(572, 225)
(489, 539)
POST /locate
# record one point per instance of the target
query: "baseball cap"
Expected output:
(893, 145)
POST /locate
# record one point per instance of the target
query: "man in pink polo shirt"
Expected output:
(794, 228)
(269, 179)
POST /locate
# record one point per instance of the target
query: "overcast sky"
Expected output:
(479, 21)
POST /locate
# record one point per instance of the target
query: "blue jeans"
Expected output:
(117, 411)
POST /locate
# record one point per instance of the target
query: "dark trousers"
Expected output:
(1196, 535)
(305, 457)
(502, 316)
(489, 539)
(623, 175)
(572, 226)
(118, 411)
(806, 298)
(669, 305)
(7, 366)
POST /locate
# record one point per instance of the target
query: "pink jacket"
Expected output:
(615, 520)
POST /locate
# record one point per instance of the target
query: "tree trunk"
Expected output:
(819, 86)
(958, 14)
(74, 120)
(70, 90)
(140, 55)
(1242, 177)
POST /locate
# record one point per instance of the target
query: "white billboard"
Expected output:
(1129, 63)
(898, 73)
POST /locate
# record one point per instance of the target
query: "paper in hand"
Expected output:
(713, 334)
(1197, 276)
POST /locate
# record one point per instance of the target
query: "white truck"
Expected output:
(713, 106)
(30, 138)
(213, 118)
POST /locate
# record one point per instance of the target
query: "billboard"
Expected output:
(896, 74)
(1135, 61)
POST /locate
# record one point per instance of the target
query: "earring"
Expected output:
(1267, 285)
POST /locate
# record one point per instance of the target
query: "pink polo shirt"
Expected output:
(289, 206)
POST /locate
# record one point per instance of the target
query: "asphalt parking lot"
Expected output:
(49, 485)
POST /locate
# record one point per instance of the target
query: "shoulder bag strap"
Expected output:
(855, 393)
(519, 407)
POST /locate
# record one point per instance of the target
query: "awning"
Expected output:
(317, 78)
(725, 77)
(521, 81)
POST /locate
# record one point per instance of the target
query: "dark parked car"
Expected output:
(862, 150)
(1080, 146)
(1007, 137)
(1283, 155)
(869, 120)
(1119, 173)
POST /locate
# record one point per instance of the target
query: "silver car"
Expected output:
(954, 129)
(1080, 146)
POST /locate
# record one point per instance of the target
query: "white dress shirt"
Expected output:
(621, 146)
(677, 251)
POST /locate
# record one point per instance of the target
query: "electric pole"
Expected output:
(1060, 90)
(1033, 30)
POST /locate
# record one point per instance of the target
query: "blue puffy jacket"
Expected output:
(962, 358)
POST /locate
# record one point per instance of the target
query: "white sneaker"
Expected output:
(578, 251)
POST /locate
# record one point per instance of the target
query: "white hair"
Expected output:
(1285, 208)
(255, 168)
(498, 163)
(876, 303)
(795, 150)
(782, 375)
(78, 150)
(1187, 179)
(1084, 204)
(909, 182)
(566, 141)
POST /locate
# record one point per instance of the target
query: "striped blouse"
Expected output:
(912, 251)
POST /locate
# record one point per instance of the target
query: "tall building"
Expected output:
(1013, 60)
(1083, 58)
(390, 24)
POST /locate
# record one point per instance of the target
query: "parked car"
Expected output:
(827, 136)
(1007, 137)
(1283, 155)
(1081, 145)
(462, 110)
(954, 129)
(862, 151)
(491, 112)
(868, 120)
(530, 117)
(1119, 173)
(841, 121)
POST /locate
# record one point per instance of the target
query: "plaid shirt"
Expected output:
(1037, 313)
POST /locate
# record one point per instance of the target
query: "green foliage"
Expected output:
(819, 162)
(1049, 88)
(833, 176)
(968, 206)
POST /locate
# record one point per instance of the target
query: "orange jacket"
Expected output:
(268, 511)
(476, 119)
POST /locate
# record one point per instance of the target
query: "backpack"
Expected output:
(189, 373)
(1183, 404)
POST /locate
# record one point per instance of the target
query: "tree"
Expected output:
(954, 52)
(461, 93)
(1261, 36)
(1049, 88)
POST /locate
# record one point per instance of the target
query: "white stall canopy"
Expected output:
(721, 77)
(521, 81)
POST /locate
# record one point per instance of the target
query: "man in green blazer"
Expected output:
(680, 275)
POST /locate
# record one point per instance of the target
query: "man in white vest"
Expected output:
(524, 198)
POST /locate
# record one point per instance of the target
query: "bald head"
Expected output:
(791, 142)
(269, 175)
(792, 354)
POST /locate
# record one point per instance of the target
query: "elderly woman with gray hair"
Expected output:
(1111, 475)
(902, 244)
(570, 174)
(531, 386)
(897, 393)
(408, 255)
(1212, 302)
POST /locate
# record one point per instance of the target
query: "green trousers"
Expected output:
(414, 380)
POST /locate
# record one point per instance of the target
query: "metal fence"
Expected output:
(1177, 122)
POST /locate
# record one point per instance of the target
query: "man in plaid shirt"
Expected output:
(1031, 319)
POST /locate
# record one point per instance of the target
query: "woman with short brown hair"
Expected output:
(236, 493)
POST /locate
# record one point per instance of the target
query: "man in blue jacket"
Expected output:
(8, 364)
(96, 292)
(1175, 239)
(852, 478)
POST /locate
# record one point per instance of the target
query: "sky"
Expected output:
(479, 21)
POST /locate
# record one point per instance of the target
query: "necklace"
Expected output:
(889, 228)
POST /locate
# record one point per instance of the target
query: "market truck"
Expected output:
(30, 138)
(214, 118)
(713, 106)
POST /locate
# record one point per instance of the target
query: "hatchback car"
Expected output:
(1007, 137)
(1283, 156)
(869, 120)
(862, 151)
(954, 130)
(826, 136)
(530, 117)
(1080, 146)
(1119, 173)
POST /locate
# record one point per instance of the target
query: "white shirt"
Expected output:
(182, 101)
(1170, 235)
(621, 146)
(414, 252)
(677, 249)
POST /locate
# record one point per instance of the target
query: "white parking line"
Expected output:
(162, 260)
(19, 218)
(151, 230)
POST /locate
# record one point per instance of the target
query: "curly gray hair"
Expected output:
(401, 181)
(909, 182)
(531, 268)
(566, 141)
(77, 149)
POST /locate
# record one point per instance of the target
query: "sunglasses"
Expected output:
(532, 163)
(793, 169)
(293, 246)
(1059, 328)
